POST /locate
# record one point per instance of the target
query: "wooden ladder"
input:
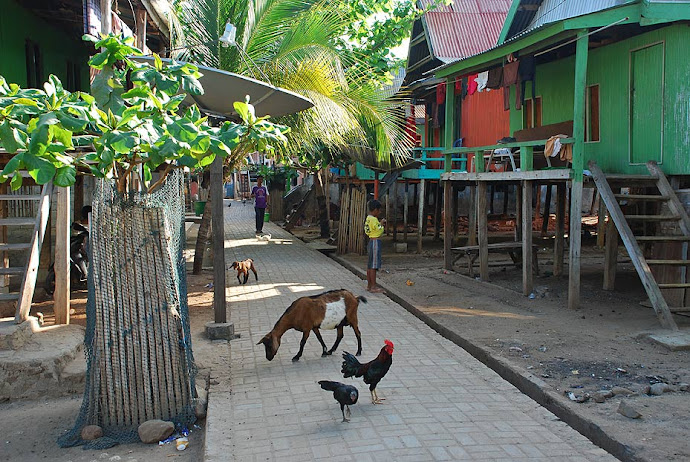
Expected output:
(677, 214)
(29, 272)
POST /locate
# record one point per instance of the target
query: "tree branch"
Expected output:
(161, 180)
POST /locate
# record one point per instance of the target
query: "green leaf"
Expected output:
(12, 165)
(242, 110)
(62, 136)
(65, 176)
(158, 63)
(71, 123)
(10, 138)
(16, 182)
(183, 130)
(98, 60)
(137, 92)
(40, 138)
(121, 143)
(41, 170)
(191, 85)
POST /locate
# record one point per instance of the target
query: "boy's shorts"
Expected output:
(374, 252)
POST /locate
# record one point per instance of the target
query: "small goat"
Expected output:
(243, 267)
(334, 309)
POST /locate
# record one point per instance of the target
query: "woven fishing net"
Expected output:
(138, 344)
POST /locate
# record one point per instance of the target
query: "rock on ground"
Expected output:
(628, 411)
(660, 388)
(153, 431)
(91, 432)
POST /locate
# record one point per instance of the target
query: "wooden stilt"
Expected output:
(447, 225)
(537, 202)
(454, 212)
(218, 232)
(388, 214)
(518, 213)
(492, 191)
(575, 238)
(421, 221)
(601, 224)
(527, 275)
(483, 231)
(406, 210)
(62, 255)
(610, 254)
(438, 201)
(547, 211)
(395, 212)
(559, 242)
(472, 218)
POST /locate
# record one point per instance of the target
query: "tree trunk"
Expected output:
(322, 205)
(202, 238)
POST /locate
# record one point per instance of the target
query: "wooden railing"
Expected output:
(447, 161)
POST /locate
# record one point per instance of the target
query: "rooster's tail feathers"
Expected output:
(330, 386)
(351, 366)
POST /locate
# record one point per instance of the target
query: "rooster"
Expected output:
(373, 371)
(346, 395)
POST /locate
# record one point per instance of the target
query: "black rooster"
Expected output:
(346, 395)
(373, 371)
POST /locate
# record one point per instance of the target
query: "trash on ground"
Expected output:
(409, 282)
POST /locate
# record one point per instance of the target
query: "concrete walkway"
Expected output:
(441, 404)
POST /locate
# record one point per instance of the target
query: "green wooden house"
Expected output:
(614, 78)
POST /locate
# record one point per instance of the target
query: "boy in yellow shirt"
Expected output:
(374, 229)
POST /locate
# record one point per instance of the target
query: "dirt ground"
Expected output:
(30, 429)
(599, 346)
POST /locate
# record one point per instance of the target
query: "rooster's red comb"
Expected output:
(389, 343)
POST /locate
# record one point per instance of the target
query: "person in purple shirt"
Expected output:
(260, 195)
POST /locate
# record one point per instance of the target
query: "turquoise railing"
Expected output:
(438, 156)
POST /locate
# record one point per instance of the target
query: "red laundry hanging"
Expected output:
(471, 84)
(441, 93)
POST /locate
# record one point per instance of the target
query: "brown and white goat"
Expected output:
(334, 309)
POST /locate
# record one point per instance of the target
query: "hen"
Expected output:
(373, 371)
(346, 395)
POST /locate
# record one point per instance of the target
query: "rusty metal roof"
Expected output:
(464, 28)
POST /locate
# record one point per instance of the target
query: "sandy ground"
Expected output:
(599, 346)
(30, 429)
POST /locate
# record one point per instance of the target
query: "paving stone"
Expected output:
(441, 403)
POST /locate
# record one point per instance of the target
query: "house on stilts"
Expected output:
(597, 96)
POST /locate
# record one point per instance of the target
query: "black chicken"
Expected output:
(373, 371)
(346, 395)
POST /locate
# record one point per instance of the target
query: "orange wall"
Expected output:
(483, 119)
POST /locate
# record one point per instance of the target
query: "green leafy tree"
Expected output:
(130, 125)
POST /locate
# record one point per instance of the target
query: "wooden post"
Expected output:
(140, 27)
(601, 224)
(559, 242)
(62, 254)
(518, 212)
(581, 57)
(376, 185)
(4, 211)
(483, 231)
(406, 211)
(537, 200)
(547, 210)
(388, 213)
(527, 275)
(437, 210)
(610, 254)
(218, 233)
(420, 216)
(106, 16)
(472, 218)
(395, 211)
(447, 225)
(454, 212)
(449, 129)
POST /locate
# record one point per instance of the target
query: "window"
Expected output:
(592, 114)
(34, 65)
(531, 113)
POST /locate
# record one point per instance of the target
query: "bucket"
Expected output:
(267, 217)
(199, 207)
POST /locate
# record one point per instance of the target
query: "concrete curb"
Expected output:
(528, 384)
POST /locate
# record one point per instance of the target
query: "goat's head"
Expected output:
(271, 343)
(235, 264)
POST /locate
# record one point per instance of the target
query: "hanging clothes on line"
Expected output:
(472, 84)
(527, 71)
(482, 79)
(511, 76)
(495, 78)
(441, 93)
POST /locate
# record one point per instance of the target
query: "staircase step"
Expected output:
(12, 270)
(20, 197)
(669, 262)
(617, 177)
(663, 238)
(8, 297)
(652, 217)
(641, 197)
(17, 246)
(17, 221)
(675, 285)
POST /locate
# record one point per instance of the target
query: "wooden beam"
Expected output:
(543, 175)
(406, 211)
(601, 224)
(420, 216)
(140, 28)
(106, 16)
(527, 252)
(559, 242)
(449, 130)
(62, 255)
(483, 232)
(454, 212)
(546, 216)
(472, 217)
(447, 225)
(610, 254)
(438, 195)
(581, 58)
(674, 204)
(218, 233)
(395, 211)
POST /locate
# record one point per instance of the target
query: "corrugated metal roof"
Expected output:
(465, 27)
(557, 10)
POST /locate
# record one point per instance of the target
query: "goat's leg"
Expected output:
(246, 276)
(323, 345)
(238, 278)
(337, 340)
(358, 334)
(256, 276)
(305, 336)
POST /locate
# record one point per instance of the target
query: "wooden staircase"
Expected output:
(658, 192)
(29, 272)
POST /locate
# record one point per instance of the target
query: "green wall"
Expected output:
(56, 46)
(609, 67)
